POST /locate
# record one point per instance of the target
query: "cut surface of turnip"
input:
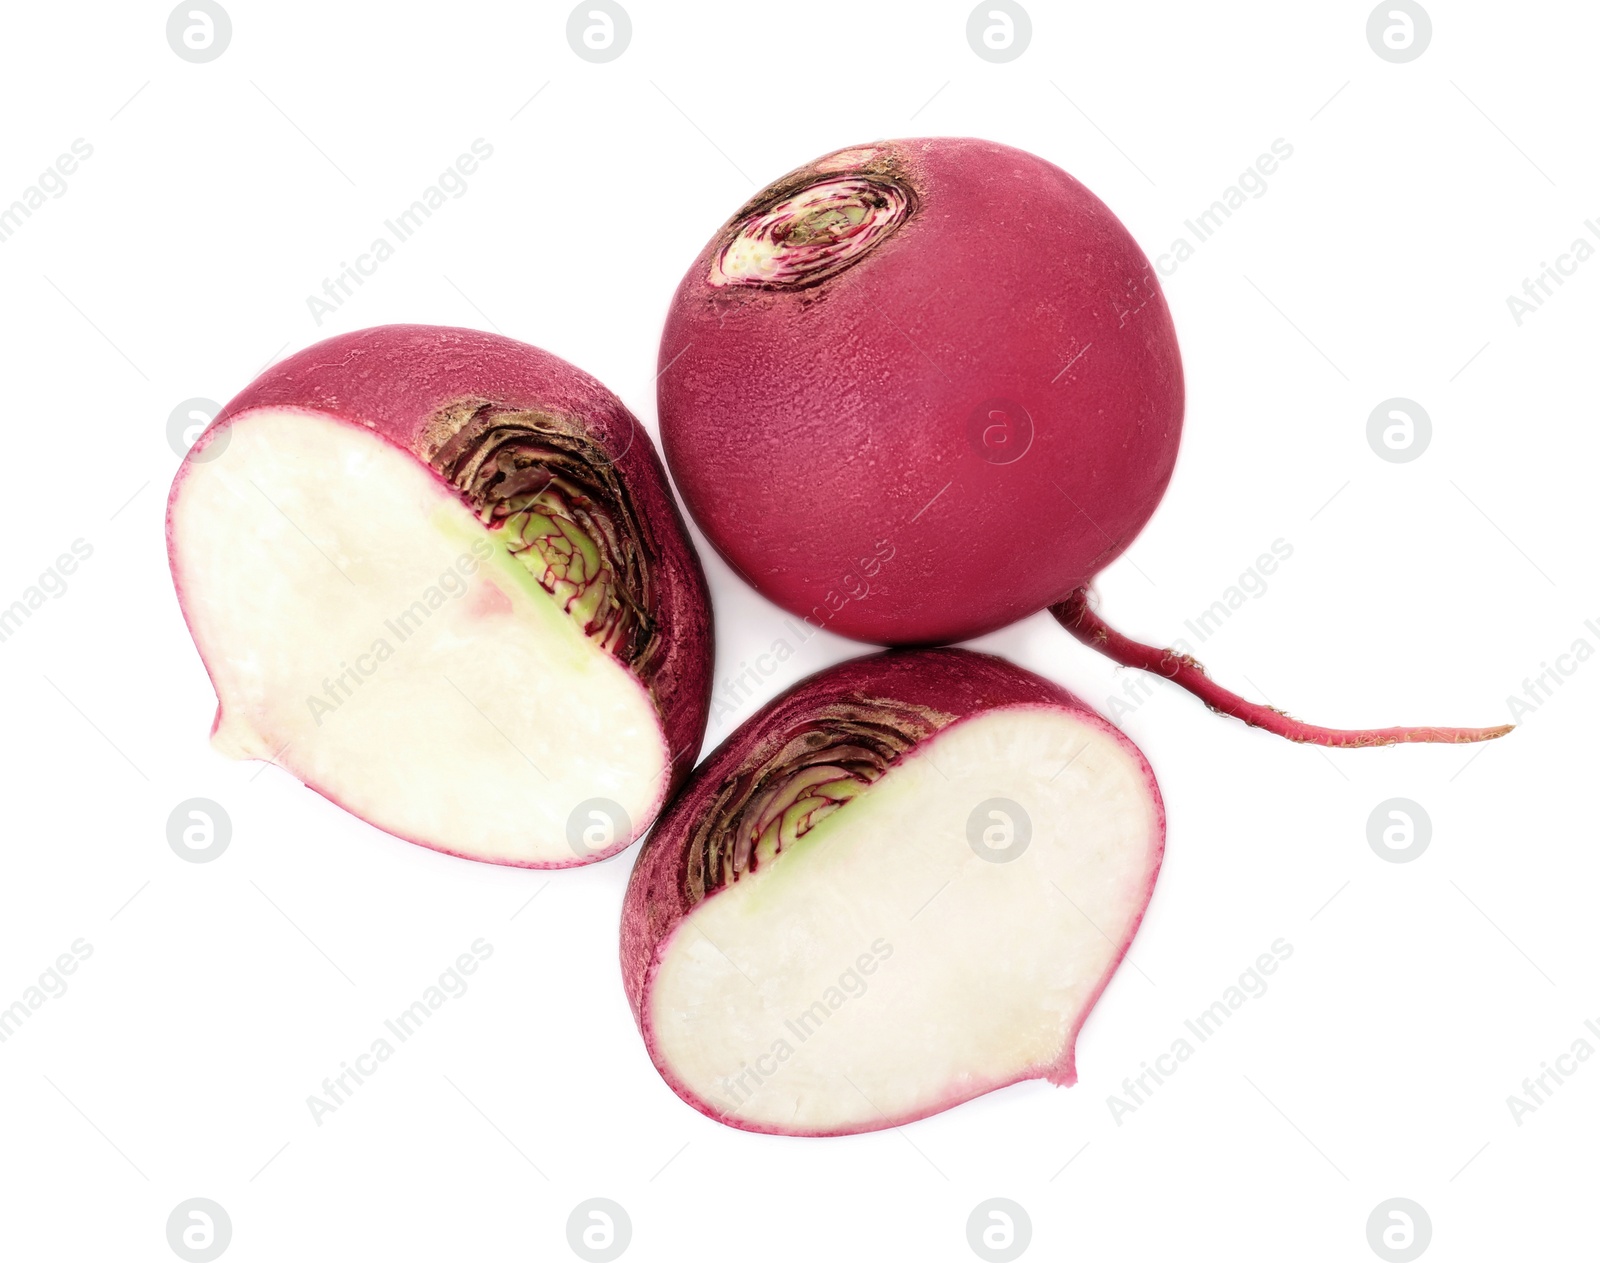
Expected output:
(899, 886)
(962, 355)
(437, 575)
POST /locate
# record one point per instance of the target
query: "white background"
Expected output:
(1378, 263)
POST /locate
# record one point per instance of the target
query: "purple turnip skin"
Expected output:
(847, 428)
(411, 385)
(942, 688)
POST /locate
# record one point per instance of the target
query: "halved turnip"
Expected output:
(902, 884)
(438, 575)
(918, 389)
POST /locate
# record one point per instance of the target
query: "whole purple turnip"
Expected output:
(918, 389)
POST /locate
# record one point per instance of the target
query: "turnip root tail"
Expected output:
(1078, 618)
